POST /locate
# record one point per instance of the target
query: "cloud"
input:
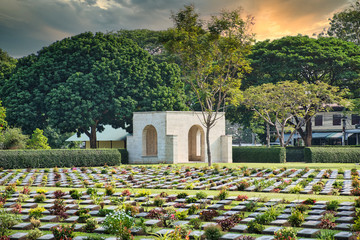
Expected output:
(28, 25)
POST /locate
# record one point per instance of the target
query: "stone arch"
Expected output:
(196, 144)
(149, 141)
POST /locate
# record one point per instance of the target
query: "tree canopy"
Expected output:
(81, 83)
(7, 66)
(279, 104)
(304, 59)
(346, 24)
(212, 55)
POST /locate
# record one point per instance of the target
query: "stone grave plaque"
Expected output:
(18, 236)
(343, 235)
(164, 231)
(153, 222)
(265, 238)
(47, 227)
(308, 233)
(343, 227)
(23, 226)
(311, 224)
(47, 237)
(239, 228)
(271, 230)
(50, 218)
(231, 236)
(280, 222)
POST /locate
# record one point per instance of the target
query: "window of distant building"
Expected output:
(318, 120)
(355, 119)
(336, 120)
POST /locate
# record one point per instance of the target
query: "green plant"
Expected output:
(195, 223)
(255, 227)
(287, 233)
(7, 221)
(296, 218)
(39, 198)
(91, 225)
(223, 194)
(109, 190)
(182, 195)
(63, 232)
(229, 222)
(103, 212)
(119, 223)
(181, 215)
(207, 215)
(91, 191)
(34, 234)
(250, 206)
(35, 222)
(332, 205)
(326, 235)
(213, 232)
(356, 226)
(36, 212)
(296, 189)
(201, 195)
(75, 194)
(159, 202)
(259, 154)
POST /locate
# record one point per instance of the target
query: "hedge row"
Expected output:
(332, 155)
(259, 154)
(59, 157)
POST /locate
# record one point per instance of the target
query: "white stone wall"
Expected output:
(172, 131)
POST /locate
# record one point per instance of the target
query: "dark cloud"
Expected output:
(28, 25)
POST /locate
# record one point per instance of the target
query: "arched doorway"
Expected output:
(149, 141)
(196, 141)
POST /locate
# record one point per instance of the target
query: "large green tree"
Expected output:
(212, 55)
(277, 104)
(7, 66)
(346, 24)
(81, 83)
(303, 59)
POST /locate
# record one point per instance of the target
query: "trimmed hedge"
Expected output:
(332, 155)
(59, 158)
(124, 156)
(295, 154)
(259, 154)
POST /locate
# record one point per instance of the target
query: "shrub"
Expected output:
(36, 212)
(58, 157)
(143, 193)
(213, 232)
(191, 200)
(250, 206)
(39, 198)
(328, 221)
(181, 215)
(285, 234)
(75, 194)
(91, 225)
(63, 232)
(201, 195)
(242, 198)
(296, 189)
(296, 219)
(302, 208)
(59, 208)
(182, 195)
(7, 221)
(109, 190)
(59, 194)
(34, 234)
(246, 237)
(309, 201)
(119, 223)
(103, 212)
(255, 227)
(35, 222)
(332, 205)
(41, 191)
(332, 155)
(207, 215)
(259, 154)
(326, 235)
(159, 202)
(230, 222)
(195, 223)
(357, 202)
(223, 194)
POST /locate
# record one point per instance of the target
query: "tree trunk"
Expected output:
(267, 135)
(208, 144)
(308, 134)
(93, 137)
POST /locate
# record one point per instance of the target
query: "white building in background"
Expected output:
(176, 137)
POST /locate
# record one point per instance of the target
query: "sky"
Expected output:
(28, 25)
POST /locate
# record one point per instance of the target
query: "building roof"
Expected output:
(109, 134)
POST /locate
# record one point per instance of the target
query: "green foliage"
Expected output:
(7, 66)
(332, 155)
(296, 218)
(12, 138)
(332, 205)
(7, 220)
(118, 223)
(34, 234)
(346, 24)
(259, 154)
(195, 223)
(59, 158)
(213, 232)
(124, 156)
(63, 232)
(89, 80)
(3, 122)
(287, 233)
(326, 235)
(255, 227)
(38, 140)
(213, 58)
